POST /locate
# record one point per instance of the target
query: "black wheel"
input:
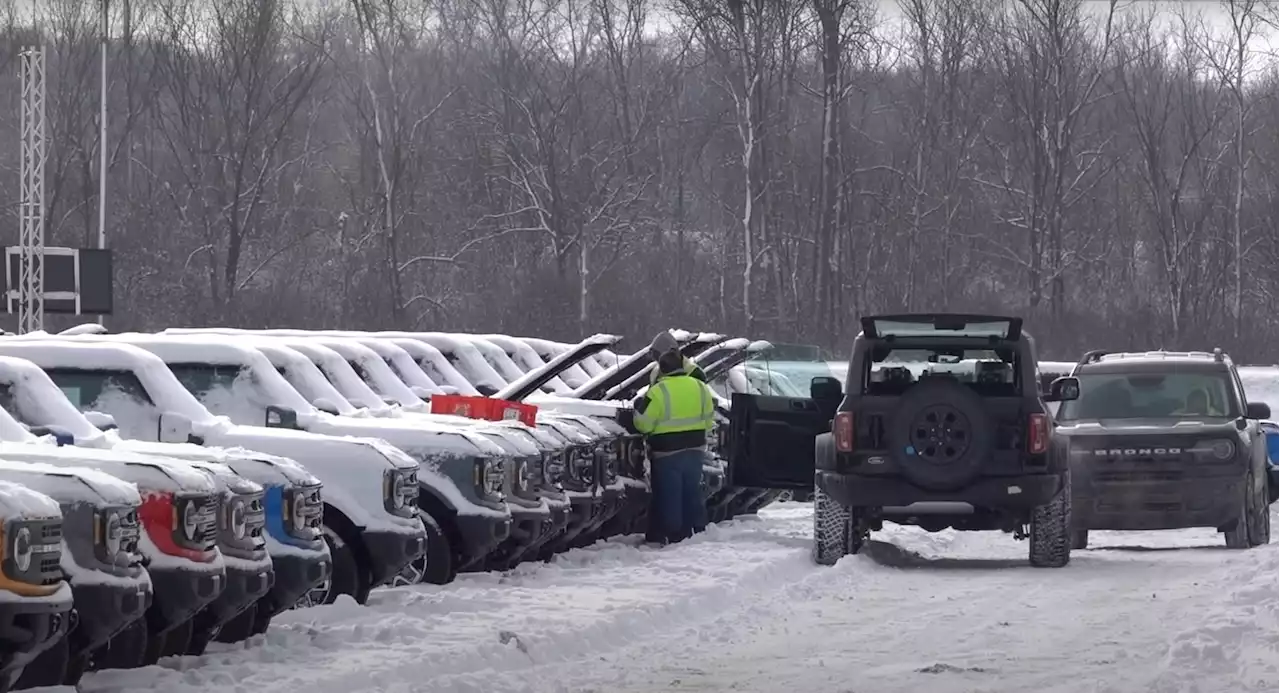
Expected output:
(240, 627)
(261, 621)
(837, 531)
(49, 668)
(940, 434)
(349, 575)
(1080, 539)
(1254, 526)
(172, 642)
(126, 649)
(1051, 536)
(201, 635)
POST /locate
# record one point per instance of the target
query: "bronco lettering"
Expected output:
(1137, 452)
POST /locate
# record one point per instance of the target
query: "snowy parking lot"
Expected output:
(742, 608)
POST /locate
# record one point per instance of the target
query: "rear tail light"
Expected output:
(842, 428)
(1038, 434)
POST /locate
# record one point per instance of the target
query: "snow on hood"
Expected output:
(571, 405)
(524, 359)
(496, 358)
(149, 473)
(260, 467)
(18, 501)
(462, 355)
(71, 484)
(574, 376)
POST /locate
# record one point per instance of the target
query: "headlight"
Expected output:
(236, 518)
(553, 467)
(297, 513)
(112, 533)
(489, 480)
(522, 475)
(22, 550)
(190, 521)
(1222, 449)
(397, 492)
(401, 490)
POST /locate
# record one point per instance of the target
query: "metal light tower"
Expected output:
(31, 240)
(102, 134)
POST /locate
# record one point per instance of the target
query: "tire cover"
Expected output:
(955, 419)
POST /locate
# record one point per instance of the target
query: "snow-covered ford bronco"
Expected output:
(35, 601)
(941, 425)
(101, 562)
(370, 486)
(1165, 440)
(292, 502)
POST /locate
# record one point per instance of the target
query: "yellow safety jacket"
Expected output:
(676, 413)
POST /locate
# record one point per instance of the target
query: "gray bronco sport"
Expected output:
(1166, 440)
(941, 425)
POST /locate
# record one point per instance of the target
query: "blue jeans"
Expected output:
(677, 511)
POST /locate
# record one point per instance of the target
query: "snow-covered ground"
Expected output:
(741, 608)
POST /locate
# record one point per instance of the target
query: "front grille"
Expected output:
(255, 520)
(50, 534)
(130, 530)
(50, 570)
(206, 511)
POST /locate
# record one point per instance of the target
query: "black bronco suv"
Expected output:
(941, 425)
(1165, 440)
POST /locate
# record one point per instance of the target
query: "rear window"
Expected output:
(990, 372)
(1150, 396)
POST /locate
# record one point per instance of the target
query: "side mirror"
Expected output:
(1257, 410)
(421, 393)
(1064, 389)
(174, 428)
(281, 417)
(825, 387)
(325, 406)
(101, 420)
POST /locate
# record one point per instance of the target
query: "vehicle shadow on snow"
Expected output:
(893, 556)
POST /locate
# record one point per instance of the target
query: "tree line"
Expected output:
(775, 168)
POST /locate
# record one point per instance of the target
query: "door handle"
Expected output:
(801, 405)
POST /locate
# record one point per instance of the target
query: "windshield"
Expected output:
(40, 403)
(1150, 395)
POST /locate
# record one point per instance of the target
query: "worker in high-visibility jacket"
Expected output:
(675, 414)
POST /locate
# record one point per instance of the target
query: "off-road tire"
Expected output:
(125, 650)
(1049, 545)
(49, 668)
(1254, 526)
(261, 621)
(238, 628)
(201, 635)
(171, 642)
(836, 530)
(440, 568)
(1079, 539)
(350, 576)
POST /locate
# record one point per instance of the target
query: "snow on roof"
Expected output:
(71, 484)
(215, 351)
(465, 357)
(17, 501)
(37, 401)
(91, 353)
(149, 473)
(574, 376)
(496, 357)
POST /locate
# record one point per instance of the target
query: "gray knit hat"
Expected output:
(663, 343)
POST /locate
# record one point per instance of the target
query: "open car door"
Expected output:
(530, 382)
(771, 441)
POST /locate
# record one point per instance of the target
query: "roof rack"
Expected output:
(1096, 355)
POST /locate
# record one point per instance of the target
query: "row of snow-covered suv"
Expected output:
(160, 491)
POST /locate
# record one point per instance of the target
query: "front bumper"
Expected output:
(1107, 499)
(391, 552)
(28, 627)
(245, 585)
(481, 534)
(179, 594)
(1018, 492)
(296, 575)
(104, 609)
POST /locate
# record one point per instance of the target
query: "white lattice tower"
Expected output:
(31, 263)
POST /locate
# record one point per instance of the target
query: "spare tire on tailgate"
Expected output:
(940, 434)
